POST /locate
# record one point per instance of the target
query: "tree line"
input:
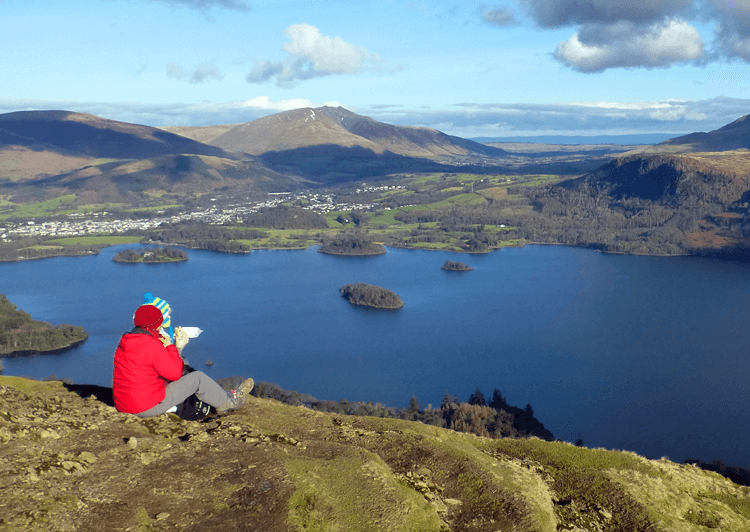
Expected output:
(284, 217)
(199, 235)
(37, 248)
(20, 334)
(152, 254)
(351, 243)
(496, 419)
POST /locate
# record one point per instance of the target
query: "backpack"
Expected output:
(193, 409)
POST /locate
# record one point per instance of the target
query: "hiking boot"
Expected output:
(238, 397)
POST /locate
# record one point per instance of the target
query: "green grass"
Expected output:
(331, 218)
(43, 208)
(387, 217)
(97, 207)
(95, 240)
(155, 208)
(354, 493)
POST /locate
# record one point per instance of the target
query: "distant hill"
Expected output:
(45, 154)
(668, 178)
(333, 144)
(734, 136)
(692, 192)
(621, 140)
(91, 136)
(706, 167)
(303, 128)
(49, 153)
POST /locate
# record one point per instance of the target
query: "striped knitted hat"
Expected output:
(163, 306)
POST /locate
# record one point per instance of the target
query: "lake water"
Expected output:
(646, 354)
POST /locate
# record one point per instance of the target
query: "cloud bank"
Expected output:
(467, 120)
(311, 55)
(636, 34)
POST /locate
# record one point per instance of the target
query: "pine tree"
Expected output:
(477, 398)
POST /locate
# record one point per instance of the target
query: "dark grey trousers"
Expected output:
(195, 382)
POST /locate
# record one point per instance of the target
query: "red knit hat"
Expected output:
(148, 317)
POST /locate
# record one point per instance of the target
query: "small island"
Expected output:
(456, 266)
(351, 244)
(151, 255)
(369, 295)
(22, 335)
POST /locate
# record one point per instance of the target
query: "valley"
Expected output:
(348, 175)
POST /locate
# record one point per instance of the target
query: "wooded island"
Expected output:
(369, 295)
(151, 255)
(452, 266)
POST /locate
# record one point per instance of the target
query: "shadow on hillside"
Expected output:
(53, 129)
(334, 163)
(738, 475)
(102, 393)
(331, 163)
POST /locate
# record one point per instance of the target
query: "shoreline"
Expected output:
(59, 350)
(731, 255)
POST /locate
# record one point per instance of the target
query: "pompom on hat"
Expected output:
(148, 317)
(163, 306)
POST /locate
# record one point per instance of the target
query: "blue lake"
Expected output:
(646, 354)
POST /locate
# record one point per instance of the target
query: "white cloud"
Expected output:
(677, 113)
(658, 47)
(199, 75)
(643, 33)
(311, 55)
(673, 117)
(632, 106)
(498, 16)
(175, 71)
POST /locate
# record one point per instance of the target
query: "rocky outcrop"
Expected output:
(73, 463)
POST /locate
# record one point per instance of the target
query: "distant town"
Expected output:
(79, 224)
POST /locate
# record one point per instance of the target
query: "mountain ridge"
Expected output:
(307, 127)
(731, 137)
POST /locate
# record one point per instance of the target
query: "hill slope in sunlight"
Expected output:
(70, 463)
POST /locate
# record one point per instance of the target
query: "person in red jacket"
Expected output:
(147, 378)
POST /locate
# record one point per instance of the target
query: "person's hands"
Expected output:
(181, 338)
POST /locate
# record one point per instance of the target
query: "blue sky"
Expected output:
(473, 69)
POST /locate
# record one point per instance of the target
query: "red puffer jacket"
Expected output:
(141, 365)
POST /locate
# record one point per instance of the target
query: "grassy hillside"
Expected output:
(68, 463)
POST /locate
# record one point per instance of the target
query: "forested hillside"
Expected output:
(20, 334)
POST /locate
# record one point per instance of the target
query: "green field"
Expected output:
(41, 208)
(155, 208)
(107, 240)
